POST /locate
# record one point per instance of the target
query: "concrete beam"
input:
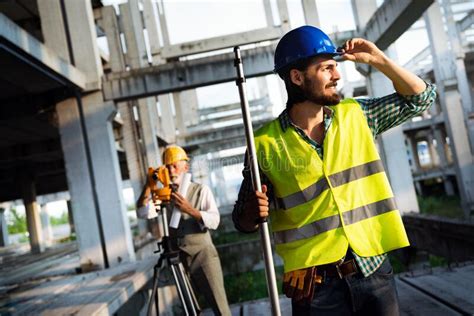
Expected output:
(392, 19)
(206, 136)
(219, 145)
(217, 163)
(254, 112)
(466, 22)
(183, 75)
(232, 106)
(37, 51)
(219, 42)
(423, 124)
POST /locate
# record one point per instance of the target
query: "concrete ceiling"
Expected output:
(29, 137)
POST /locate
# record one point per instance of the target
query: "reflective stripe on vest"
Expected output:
(333, 222)
(337, 179)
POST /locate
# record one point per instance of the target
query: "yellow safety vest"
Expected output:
(326, 205)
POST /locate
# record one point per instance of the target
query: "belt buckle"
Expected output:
(354, 265)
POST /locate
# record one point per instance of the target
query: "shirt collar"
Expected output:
(285, 120)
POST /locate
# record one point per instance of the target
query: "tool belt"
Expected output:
(300, 284)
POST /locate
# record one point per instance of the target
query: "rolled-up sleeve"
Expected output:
(246, 188)
(392, 110)
(209, 211)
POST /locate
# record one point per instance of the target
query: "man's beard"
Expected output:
(319, 98)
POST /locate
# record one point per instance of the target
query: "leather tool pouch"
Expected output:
(300, 284)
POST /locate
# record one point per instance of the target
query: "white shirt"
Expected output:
(208, 208)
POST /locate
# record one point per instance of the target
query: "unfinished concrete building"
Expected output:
(91, 94)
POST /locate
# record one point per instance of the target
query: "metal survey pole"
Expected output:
(264, 233)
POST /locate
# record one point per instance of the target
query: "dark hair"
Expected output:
(295, 93)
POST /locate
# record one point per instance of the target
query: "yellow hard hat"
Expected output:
(173, 154)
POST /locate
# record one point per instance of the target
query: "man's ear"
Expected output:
(296, 77)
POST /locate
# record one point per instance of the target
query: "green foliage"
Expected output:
(436, 261)
(444, 206)
(17, 223)
(249, 285)
(61, 220)
(397, 265)
(230, 237)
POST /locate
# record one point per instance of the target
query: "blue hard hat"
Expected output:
(302, 42)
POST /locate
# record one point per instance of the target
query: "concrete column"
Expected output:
(348, 88)
(440, 147)
(310, 11)
(262, 89)
(137, 58)
(435, 161)
(87, 125)
(167, 122)
(163, 24)
(70, 217)
(106, 171)
(52, 27)
(151, 25)
(363, 11)
(392, 142)
(268, 12)
(284, 15)
(33, 220)
(411, 144)
(82, 30)
(448, 186)
(219, 187)
(4, 240)
(450, 100)
(131, 140)
(46, 226)
(83, 202)
(418, 187)
(110, 26)
(463, 85)
(395, 152)
(186, 107)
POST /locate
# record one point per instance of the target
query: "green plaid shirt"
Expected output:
(382, 114)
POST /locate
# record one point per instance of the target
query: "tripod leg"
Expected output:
(154, 293)
(189, 289)
(181, 291)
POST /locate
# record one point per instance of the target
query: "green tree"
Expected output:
(17, 223)
(60, 220)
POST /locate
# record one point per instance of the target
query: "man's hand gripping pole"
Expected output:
(264, 233)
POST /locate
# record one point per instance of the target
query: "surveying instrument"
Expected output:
(169, 257)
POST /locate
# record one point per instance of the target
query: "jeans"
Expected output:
(354, 295)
